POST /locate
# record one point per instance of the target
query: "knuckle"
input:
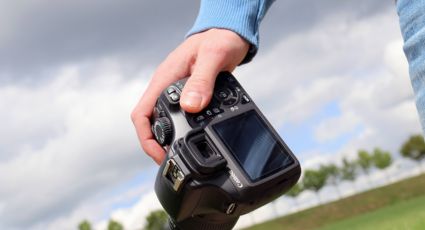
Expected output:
(218, 50)
(170, 62)
(147, 151)
(199, 84)
(162, 68)
(144, 145)
(134, 116)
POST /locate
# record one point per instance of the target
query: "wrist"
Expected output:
(239, 16)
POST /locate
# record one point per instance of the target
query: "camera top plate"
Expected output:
(228, 95)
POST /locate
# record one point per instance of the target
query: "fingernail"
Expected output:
(193, 99)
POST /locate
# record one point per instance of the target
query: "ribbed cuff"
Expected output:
(239, 16)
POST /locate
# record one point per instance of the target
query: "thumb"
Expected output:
(198, 89)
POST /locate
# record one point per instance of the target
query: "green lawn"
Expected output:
(397, 206)
(408, 214)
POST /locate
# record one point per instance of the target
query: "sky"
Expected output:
(331, 77)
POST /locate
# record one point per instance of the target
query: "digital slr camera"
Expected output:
(221, 163)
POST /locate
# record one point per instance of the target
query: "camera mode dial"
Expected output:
(227, 95)
(162, 130)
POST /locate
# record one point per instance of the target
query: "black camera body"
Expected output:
(221, 163)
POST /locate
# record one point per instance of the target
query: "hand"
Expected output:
(201, 56)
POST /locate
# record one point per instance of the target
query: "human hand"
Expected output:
(201, 57)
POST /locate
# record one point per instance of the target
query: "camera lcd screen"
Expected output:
(253, 145)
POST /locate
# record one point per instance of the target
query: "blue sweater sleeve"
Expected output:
(241, 16)
(412, 23)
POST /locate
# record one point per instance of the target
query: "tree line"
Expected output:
(332, 174)
(156, 220)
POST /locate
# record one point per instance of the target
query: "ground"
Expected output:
(397, 206)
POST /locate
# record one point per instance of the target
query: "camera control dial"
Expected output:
(162, 130)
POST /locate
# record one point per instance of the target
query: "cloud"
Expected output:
(334, 127)
(36, 36)
(135, 217)
(286, 18)
(382, 103)
(94, 210)
(300, 66)
(385, 105)
(85, 142)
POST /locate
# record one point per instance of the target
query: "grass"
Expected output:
(408, 214)
(397, 206)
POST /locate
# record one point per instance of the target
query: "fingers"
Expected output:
(154, 150)
(173, 68)
(202, 56)
(199, 87)
(148, 143)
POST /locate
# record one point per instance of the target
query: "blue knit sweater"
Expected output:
(240, 16)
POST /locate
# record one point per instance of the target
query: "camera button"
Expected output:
(216, 111)
(179, 85)
(209, 113)
(200, 118)
(229, 101)
(234, 91)
(223, 94)
(245, 99)
(231, 208)
(171, 90)
(175, 97)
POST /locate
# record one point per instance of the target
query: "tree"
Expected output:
(382, 159)
(365, 161)
(333, 175)
(115, 225)
(156, 220)
(348, 171)
(84, 225)
(414, 148)
(314, 180)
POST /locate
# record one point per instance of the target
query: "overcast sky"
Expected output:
(330, 76)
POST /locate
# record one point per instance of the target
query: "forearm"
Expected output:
(412, 23)
(240, 16)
